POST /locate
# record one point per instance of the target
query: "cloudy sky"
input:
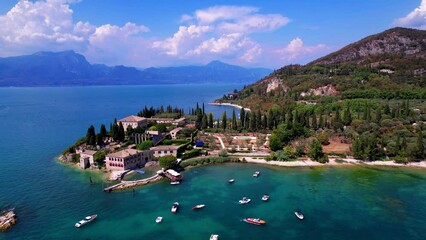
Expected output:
(146, 33)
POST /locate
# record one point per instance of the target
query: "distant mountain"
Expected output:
(69, 68)
(388, 65)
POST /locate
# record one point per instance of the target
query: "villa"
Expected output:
(176, 122)
(127, 159)
(133, 122)
(87, 158)
(174, 132)
(160, 151)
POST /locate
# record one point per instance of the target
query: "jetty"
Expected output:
(128, 184)
(7, 219)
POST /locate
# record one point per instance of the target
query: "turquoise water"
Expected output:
(338, 203)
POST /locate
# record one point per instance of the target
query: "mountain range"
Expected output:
(68, 68)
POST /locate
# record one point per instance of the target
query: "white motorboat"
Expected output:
(265, 197)
(85, 221)
(159, 219)
(244, 200)
(175, 183)
(199, 206)
(256, 174)
(299, 215)
(214, 237)
(231, 180)
(175, 207)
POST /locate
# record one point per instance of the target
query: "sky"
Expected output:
(148, 33)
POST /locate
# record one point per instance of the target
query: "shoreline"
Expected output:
(229, 105)
(332, 162)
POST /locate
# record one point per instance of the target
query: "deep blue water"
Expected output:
(36, 124)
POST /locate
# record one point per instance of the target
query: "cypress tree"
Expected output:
(314, 121)
(321, 121)
(103, 131)
(242, 117)
(224, 120)
(253, 118)
(258, 120)
(387, 110)
(420, 146)
(378, 115)
(210, 120)
(91, 136)
(234, 121)
(347, 116)
(121, 133)
(204, 122)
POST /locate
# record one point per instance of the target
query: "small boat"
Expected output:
(175, 183)
(265, 197)
(231, 180)
(158, 219)
(244, 200)
(85, 221)
(175, 207)
(214, 237)
(199, 206)
(256, 174)
(299, 215)
(255, 221)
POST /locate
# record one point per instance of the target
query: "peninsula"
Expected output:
(337, 110)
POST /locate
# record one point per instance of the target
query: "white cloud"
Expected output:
(48, 25)
(296, 49)
(255, 23)
(213, 14)
(415, 19)
(182, 40)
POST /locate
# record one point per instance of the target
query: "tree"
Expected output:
(91, 136)
(145, 145)
(420, 147)
(99, 139)
(378, 115)
(103, 131)
(347, 116)
(204, 121)
(242, 117)
(315, 152)
(168, 162)
(224, 120)
(234, 121)
(357, 149)
(121, 133)
(210, 120)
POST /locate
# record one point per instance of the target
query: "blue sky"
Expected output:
(148, 33)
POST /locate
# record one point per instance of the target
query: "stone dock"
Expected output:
(128, 184)
(7, 219)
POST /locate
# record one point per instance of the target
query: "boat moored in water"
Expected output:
(175, 207)
(256, 174)
(255, 221)
(231, 180)
(85, 221)
(199, 206)
(299, 215)
(175, 183)
(244, 200)
(159, 219)
(214, 237)
(265, 197)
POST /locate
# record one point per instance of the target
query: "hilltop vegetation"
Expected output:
(370, 94)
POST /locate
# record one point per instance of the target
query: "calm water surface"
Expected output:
(38, 123)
